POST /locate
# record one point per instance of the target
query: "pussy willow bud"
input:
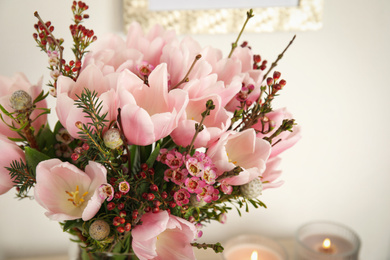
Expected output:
(99, 230)
(20, 100)
(112, 138)
(252, 189)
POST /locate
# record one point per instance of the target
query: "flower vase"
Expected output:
(84, 255)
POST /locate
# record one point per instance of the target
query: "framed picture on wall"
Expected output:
(225, 16)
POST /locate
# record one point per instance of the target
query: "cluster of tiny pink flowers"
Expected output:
(195, 175)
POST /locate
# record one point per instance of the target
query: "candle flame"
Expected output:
(326, 244)
(254, 255)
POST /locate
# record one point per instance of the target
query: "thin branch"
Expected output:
(54, 38)
(249, 15)
(185, 79)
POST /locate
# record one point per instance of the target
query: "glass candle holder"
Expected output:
(253, 247)
(326, 241)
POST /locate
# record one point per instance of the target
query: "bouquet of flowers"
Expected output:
(155, 137)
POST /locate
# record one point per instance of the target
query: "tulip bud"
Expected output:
(112, 138)
(99, 230)
(21, 100)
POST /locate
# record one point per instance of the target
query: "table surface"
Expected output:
(200, 254)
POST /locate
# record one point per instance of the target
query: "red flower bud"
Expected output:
(276, 75)
(270, 81)
(282, 83)
(256, 58)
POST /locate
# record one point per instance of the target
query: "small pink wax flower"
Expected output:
(9, 152)
(106, 191)
(182, 197)
(7, 87)
(242, 149)
(68, 193)
(164, 236)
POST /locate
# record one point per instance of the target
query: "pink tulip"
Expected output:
(110, 54)
(288, 139)
(93, 79)
(179, 58)
(67, 192)
(271, 174)
(214, 124)
(242, 149)
(9, 86)
(209, 85)
(149, 113)
(151, 44)
(163, 236)
(9, 152)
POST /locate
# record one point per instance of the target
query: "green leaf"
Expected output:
(134, 156)
(46, 140)
(33, 157)
(40, 97)
(5, 111)
(57, 127)
(16, 139)
(69, 224)
(153, 156)
(145, 152)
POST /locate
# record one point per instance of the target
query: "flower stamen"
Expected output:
(76, 199)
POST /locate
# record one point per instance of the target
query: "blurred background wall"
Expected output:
(337, 88)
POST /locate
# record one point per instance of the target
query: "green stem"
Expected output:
(249, 15)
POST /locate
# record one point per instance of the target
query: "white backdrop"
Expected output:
(337, 89)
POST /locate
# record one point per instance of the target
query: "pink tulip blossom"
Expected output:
(150, 44)
(113, 54)
(242, 149)
(163, 236)
(288, 139)
(179, 58)
(93, 79)
(210, 85)
(149, 113)
(9, 152)
(7, 87)
(271, 174)
(67, 192)
(214, 125)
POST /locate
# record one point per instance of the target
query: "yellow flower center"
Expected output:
(75, 197)
(230, 160)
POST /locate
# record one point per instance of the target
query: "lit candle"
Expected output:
(254, 255)
(325, 240)
(252, 247)
(327, 247)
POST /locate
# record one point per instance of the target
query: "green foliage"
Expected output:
(34, 157)
(46, 140)
(23, 178)
(91, 105)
